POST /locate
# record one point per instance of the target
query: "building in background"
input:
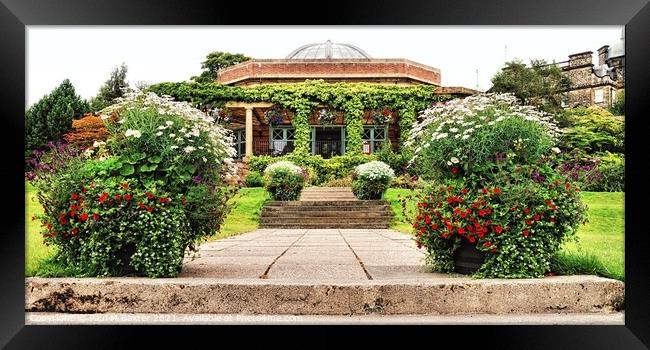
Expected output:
(595, 85)
(333, 63)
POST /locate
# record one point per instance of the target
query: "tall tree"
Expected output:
(113, 88)
(51, 117)
(217, 60)
(539, 84)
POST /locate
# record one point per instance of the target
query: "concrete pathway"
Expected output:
(311, 254)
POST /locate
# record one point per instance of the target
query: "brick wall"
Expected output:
(274, 70)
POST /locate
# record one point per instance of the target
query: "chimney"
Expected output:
(580, 59)
(602, 54)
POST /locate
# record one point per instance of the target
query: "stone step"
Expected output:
(439, 296)
(382, 209)
(341, 225)
(326, 203)
(329, 214)
(324, 220)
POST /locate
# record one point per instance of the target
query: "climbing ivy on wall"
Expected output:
(303, 98)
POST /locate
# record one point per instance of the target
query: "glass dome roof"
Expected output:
(328, 50)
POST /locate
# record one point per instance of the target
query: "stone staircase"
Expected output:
(327, 207)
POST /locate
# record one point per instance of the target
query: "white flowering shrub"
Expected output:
(283, 164)
(470, 135)
(372, 179)
(284, 180)
(498, 196)
(155, 188)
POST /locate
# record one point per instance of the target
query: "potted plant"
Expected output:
(499, 209)
(371, 180)
(284, 180)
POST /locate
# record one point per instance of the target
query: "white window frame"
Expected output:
(599, 96)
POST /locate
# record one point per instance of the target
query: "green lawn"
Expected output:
(35, 250)
(600, 245)
(244, 217)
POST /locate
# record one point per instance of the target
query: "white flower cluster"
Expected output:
(463, 117)
(197, 123)
(283, 164)
(133, 133)
(375, 170)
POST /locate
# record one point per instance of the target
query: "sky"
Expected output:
(87, 54)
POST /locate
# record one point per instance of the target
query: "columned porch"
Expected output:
(255, 136)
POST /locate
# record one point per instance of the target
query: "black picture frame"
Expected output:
(634, 14)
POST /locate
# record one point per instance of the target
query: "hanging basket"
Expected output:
(382, 116)
(326, 116)
(274, 116)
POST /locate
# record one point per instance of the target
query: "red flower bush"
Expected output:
(518, 220)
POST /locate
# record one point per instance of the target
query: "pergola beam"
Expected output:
(248, 107)
(236, 104)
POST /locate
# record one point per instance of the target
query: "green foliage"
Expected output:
(407, 182)
(254, 179)
(321, 170)
(371, 180)
(51, 117)
(304, 98)
(114, 87)
(593, 129)
(539, 84)
(611, 169)
(284, 180)
(342, 182)
(398, 161)
(619, 106)
(154, 189)
(583, 263)
(215, 61)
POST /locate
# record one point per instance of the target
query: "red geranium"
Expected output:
(150, 195)
(83, 217)
(127, 197)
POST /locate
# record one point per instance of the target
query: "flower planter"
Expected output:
(124, 255)
(467, 259)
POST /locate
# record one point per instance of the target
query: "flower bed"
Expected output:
(499, 191)
(284, 180)
(371, 180)
(134, 204)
